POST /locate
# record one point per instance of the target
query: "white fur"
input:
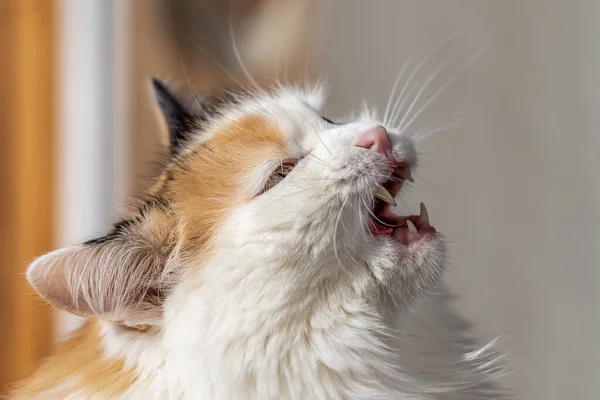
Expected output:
(299, 301)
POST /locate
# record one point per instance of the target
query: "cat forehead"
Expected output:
(292, 97)
(293, 112)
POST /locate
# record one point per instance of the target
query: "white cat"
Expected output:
(265, 263)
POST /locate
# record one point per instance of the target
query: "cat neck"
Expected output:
(227, 349)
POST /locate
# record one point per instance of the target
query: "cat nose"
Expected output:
(376, 140)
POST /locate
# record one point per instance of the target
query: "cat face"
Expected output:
(260, 191)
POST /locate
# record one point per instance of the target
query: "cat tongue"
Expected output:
(377, 229)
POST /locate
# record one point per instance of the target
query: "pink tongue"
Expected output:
(377, 229)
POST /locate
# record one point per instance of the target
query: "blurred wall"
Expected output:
(514, 185)
(27, 161)
(189, 45)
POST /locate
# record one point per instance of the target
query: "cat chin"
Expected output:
(408, 268)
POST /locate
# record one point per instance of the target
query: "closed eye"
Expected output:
(328, 121)
(280, 173)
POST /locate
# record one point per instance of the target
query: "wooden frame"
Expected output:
(26, 179)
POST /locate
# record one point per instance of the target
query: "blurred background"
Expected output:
(506, 93)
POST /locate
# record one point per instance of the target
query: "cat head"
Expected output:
(260, 192)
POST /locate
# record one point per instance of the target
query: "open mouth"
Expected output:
(404, 228)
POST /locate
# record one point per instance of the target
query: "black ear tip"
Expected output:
(174, 111)
(169, 104)
(157, 83)
(160, 89)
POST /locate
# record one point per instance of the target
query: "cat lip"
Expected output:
(390, 188)
(402, 171)
(405, 229)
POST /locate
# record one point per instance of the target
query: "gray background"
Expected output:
(514, 187)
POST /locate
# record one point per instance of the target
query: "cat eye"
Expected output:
(280, 173)
(328, 121)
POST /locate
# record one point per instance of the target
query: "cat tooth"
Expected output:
(424, 215)
(404, 173)
(411, 227)
(383, 194)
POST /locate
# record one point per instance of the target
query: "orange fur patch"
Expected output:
(78, 364)
(211, 179)
(201, 187)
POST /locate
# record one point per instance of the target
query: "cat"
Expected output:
(264, 263)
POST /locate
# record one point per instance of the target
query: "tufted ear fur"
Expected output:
(123, 276)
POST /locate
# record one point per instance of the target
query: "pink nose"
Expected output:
(376, 140)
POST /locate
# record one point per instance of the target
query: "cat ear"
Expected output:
(178, 117)
(119, 277)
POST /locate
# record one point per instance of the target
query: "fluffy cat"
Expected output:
(264, 263)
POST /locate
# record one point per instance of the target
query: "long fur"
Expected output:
(218, 289)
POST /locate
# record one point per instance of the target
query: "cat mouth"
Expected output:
(405, 229)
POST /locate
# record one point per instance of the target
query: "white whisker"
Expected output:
(221, 66)
(444, 86)
(237, 53)
(418, 67)
(323, 143)
(420, 136)
(423, 88)
(320, 159)
(337, 220)
(393, 92)
(189, 83)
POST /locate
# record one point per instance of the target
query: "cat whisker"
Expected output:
(323, 143)
(423, 88)
(418, 67)
(189, 83)
(362, 221)
(237, 53)
(288, 195)
(378, 220)
(337, 221)
(393, 92)
(398, 111)
(220, 66)
(368, 209)
(420, 136)
(319, 159)
(444, 86)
